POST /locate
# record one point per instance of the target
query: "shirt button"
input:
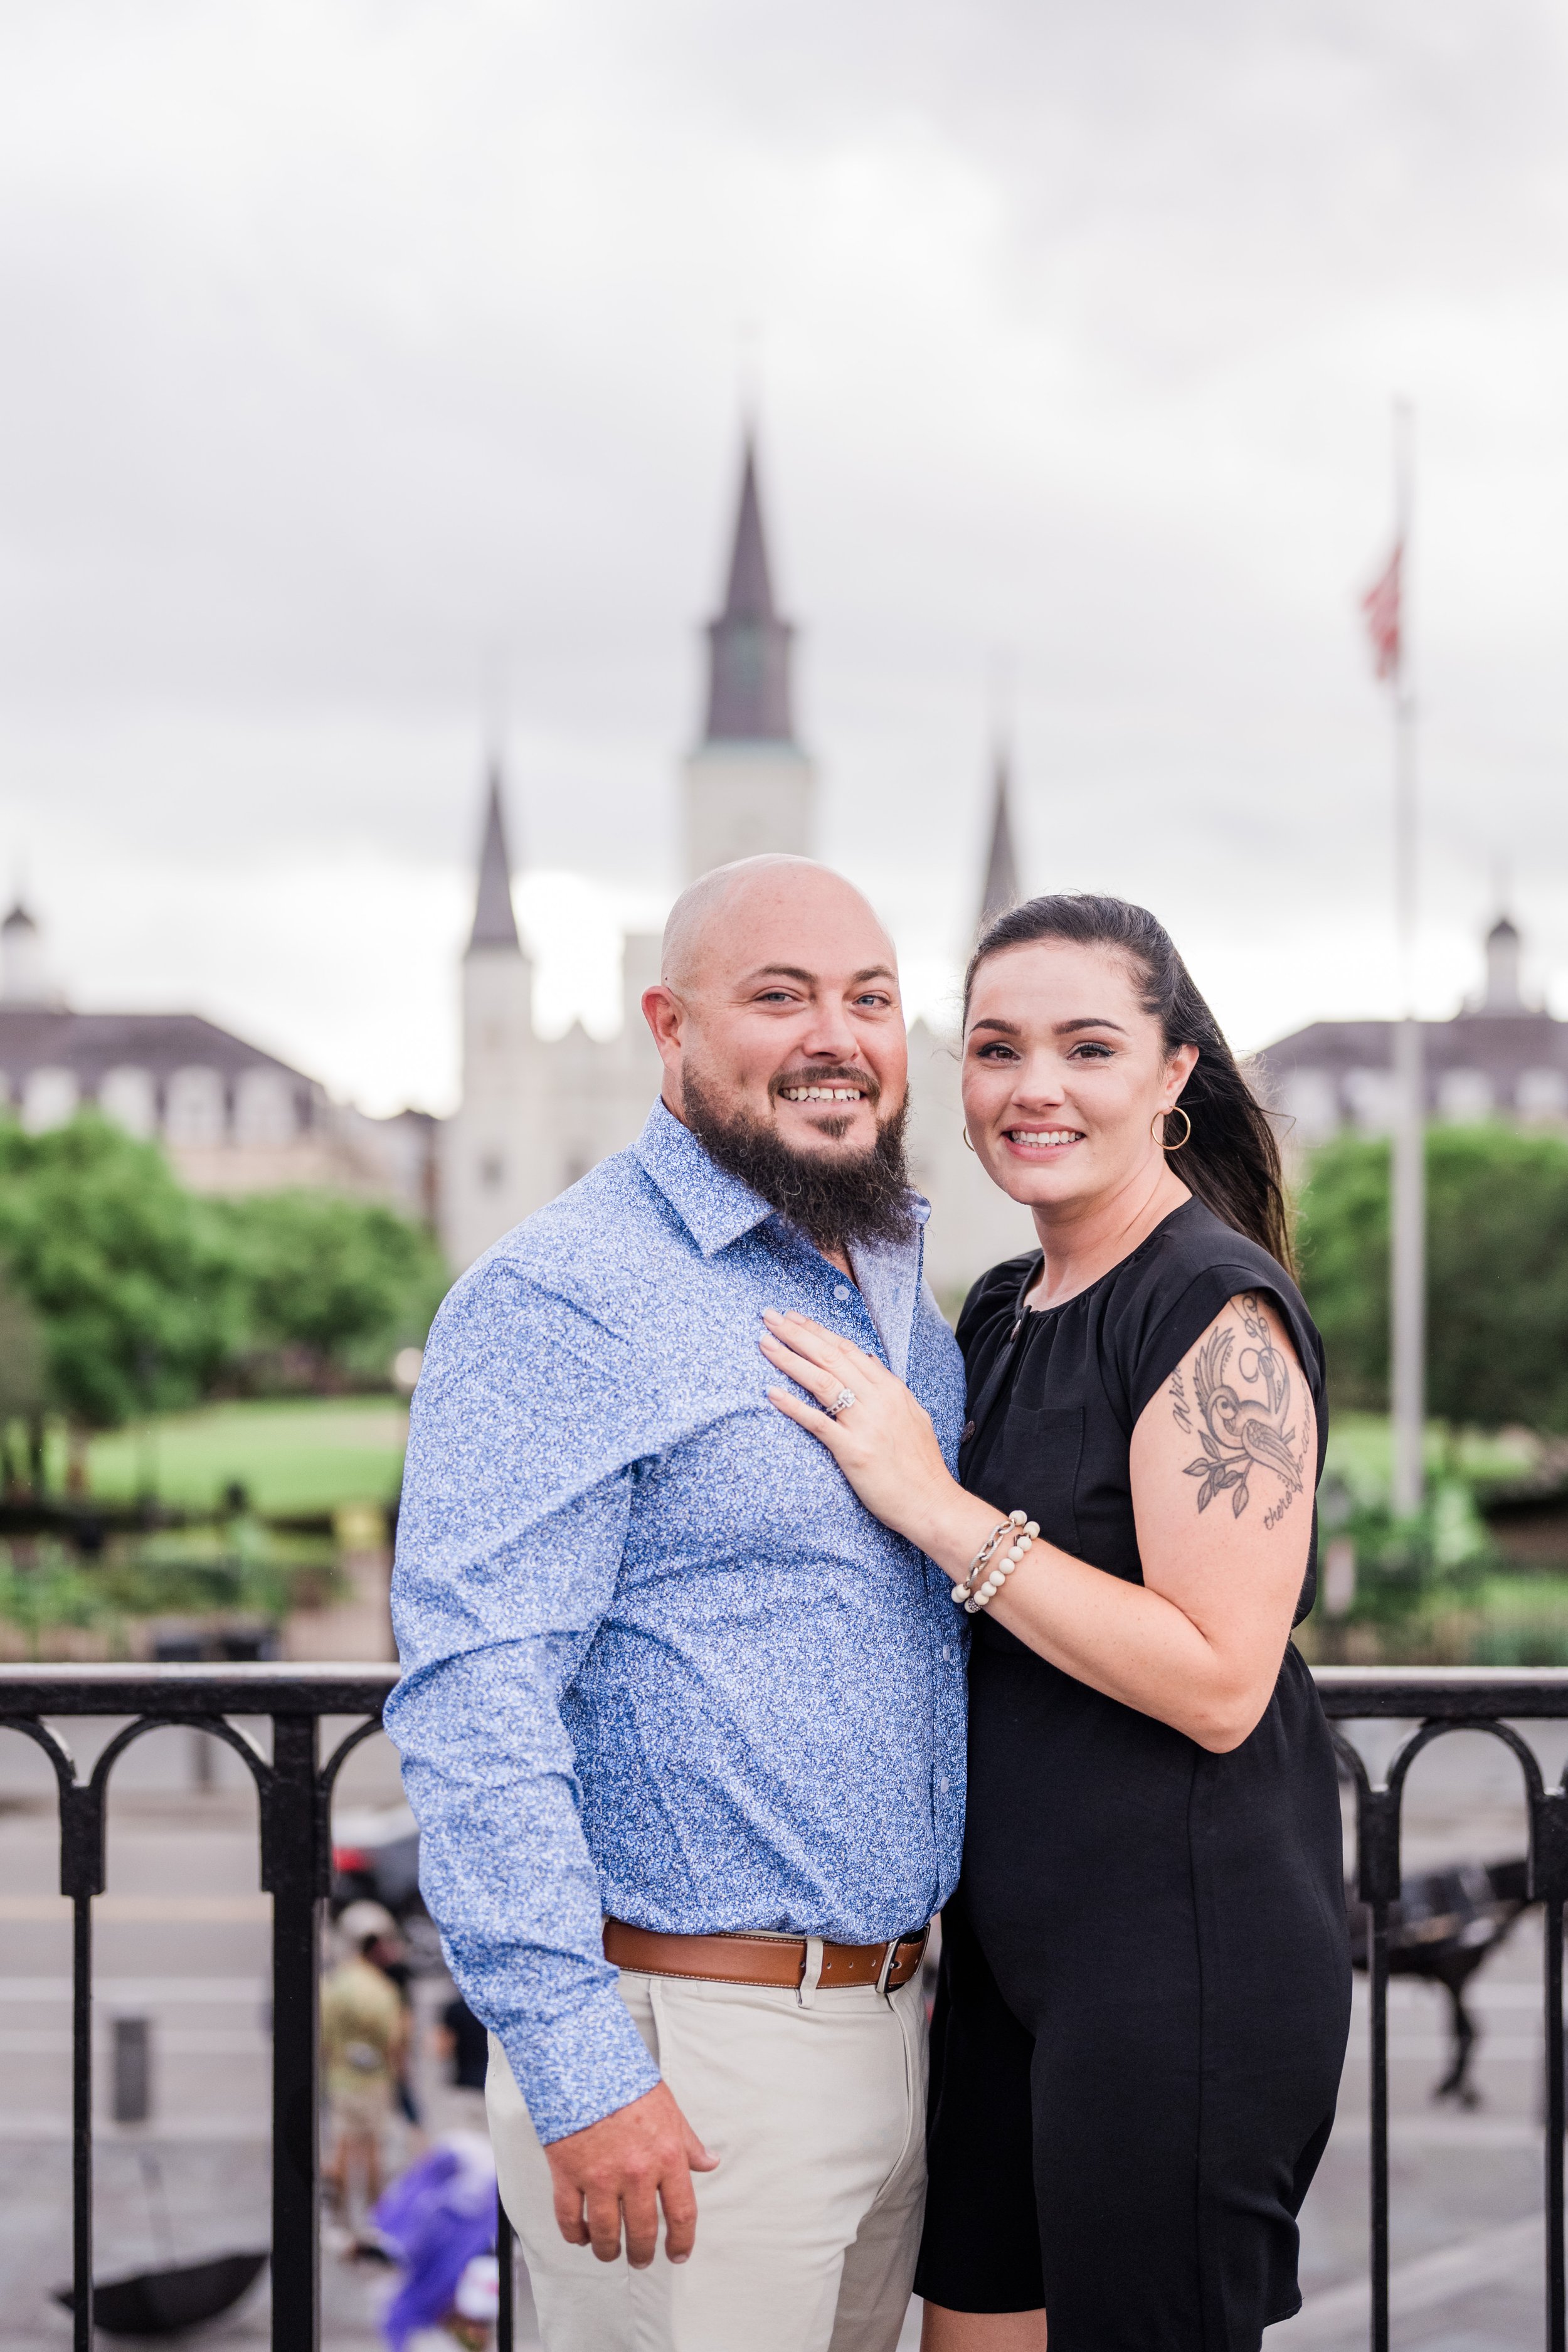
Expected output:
(941, 1782)
(841, 1292)
(947, 1649)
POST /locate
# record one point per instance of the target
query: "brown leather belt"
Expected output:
(778, 1960)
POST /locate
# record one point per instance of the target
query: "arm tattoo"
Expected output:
(1240, 1433)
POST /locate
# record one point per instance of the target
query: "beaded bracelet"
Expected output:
(1023, 1532)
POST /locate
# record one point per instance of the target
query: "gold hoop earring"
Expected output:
(1159, 1117)
(967, 1145)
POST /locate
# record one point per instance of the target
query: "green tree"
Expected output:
(1497, 1262)
(22, 1358)
(135, 1306)
(24, 1391)
(344, 1281)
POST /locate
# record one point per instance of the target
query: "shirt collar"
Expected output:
(715, 1208)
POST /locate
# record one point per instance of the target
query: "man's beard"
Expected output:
(833, 1198)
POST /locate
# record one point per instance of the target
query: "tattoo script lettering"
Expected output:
(1179, 1405)
(1241, 1432)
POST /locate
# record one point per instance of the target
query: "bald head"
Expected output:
(725, 912)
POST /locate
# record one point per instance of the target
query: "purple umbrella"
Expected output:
(433, 2222)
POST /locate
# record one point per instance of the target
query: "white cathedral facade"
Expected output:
(535, 1114)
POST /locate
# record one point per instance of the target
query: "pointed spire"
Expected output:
(24, 971)
(1503, 993)
(495, 925)
(748, 646)
(749, 597)
(1003, 889)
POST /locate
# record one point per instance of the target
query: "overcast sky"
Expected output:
(370, 369)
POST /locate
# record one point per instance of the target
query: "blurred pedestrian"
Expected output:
(365, 2038)
(389, 1953)
(462, 2044)
(438, 2225)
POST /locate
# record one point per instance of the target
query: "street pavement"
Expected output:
(181, 1939)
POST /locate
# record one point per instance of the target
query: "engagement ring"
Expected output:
(841, 1402)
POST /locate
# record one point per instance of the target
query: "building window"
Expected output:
(1309, 1099)
(1542, 1094)
(1464, 1095)
(129, 1098)
(193, 1108)
(492, 1168)
(1371, 1096)
(48, 1099)
(264, 1110)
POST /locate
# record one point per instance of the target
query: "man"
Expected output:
(673, 1703)
(364, 2039)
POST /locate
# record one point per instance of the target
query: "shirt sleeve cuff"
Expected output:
(581, 2066)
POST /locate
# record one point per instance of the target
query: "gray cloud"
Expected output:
(352, 347)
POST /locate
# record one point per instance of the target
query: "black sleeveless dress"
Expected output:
(1144, 1995)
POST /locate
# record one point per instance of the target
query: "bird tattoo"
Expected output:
(1241, 1433)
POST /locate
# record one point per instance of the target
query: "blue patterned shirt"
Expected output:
(658, 1663)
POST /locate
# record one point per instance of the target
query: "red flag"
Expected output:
(1382, 606)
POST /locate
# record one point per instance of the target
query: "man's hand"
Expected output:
(628, 2163)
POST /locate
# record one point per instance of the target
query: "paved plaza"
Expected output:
(181, 1939)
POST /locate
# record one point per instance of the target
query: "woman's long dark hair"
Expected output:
(1232, 1159)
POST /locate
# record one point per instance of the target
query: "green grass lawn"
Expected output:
(306, 1454)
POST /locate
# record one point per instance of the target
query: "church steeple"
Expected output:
(749, 644)
(24, 969)
(1502, 993)
(495, 925)
(1003, 889)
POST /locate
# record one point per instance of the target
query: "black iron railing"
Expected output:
(294, 1786)
(1440, 1699)
(295, 1789)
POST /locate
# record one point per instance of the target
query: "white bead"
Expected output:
(1033, 1529)
(1016, 1518)
(958, 1593)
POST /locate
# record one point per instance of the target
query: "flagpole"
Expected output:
(1407, 1237)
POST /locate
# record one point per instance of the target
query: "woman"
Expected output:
(1145, 1987)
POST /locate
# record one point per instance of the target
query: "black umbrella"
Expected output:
(159, 2303)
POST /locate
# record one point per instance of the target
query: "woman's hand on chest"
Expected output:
(878, 1434)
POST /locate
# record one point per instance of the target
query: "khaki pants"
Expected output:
(806, 2234)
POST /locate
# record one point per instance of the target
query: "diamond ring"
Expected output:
(841, 1402)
